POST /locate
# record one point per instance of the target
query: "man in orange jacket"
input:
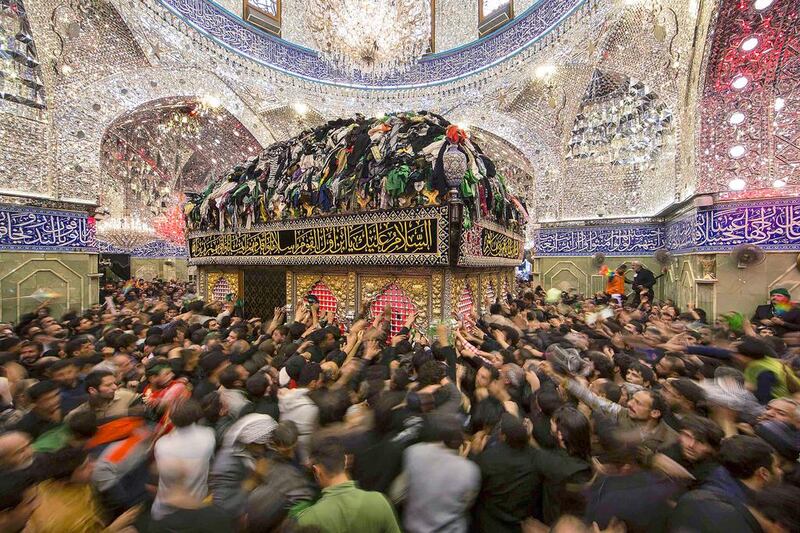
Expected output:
(615, 284)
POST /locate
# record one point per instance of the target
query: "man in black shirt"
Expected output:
(643, 280)
(46, 412)
(748, 465)
(73, 392)
(509, 481)
(779, 315)
(212, 364)
(697, 447)
(265, 402)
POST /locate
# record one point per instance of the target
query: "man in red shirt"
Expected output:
(163, 392)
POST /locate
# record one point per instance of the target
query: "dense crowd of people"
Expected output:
(158, 412)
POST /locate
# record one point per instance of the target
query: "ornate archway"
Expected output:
(84, 116)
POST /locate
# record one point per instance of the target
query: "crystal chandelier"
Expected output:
(184, 123)
(373, 37)
(626, 127)
(127, 232)
(186, 120)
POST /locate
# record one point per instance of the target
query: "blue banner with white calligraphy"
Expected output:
(47, 230)
(610, 240)
(771, 224)
(679, 234)
(157, 249)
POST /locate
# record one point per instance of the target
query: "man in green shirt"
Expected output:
(344, 507)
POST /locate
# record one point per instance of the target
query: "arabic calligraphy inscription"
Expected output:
(33, 229)
(389, 237)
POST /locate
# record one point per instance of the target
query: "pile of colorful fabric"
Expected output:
(351, 165)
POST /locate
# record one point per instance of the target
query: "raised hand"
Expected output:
(410, 319)
(371, 349)
(397, 339)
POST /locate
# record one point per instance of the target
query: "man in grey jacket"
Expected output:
(441, 485)
(183, 457)
(644, 414)
(295, 405)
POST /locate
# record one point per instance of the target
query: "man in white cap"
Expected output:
(244, 443)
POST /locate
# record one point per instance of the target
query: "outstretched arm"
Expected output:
(595, 402)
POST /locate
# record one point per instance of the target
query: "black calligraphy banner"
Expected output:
(385, 237)
(499, 245)
(489, 245)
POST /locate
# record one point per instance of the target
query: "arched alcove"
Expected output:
(85, 115)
